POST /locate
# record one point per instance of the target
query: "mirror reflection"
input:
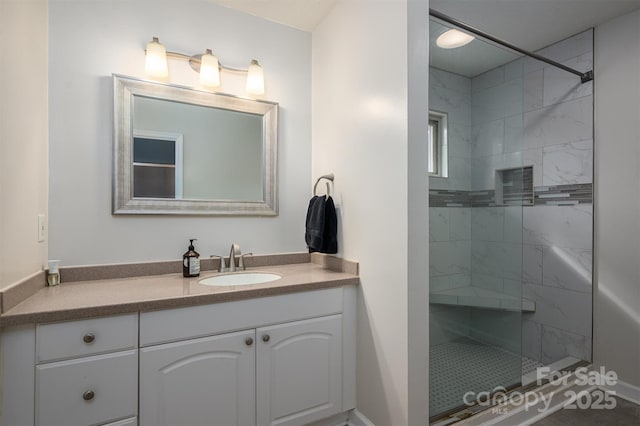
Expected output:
(195, 152)
(185, 151)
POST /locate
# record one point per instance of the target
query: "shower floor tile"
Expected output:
(467, 365)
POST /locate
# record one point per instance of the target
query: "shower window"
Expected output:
(437, 162)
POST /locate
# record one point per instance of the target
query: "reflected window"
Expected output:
(437, 144)
(157, 164)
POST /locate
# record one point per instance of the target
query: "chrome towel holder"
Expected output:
(327, 177)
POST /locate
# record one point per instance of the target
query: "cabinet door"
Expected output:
(208, 381)
(299, 371)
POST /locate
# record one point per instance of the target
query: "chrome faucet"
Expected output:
(234, 254)
(235, 250)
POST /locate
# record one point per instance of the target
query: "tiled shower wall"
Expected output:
(548, 125)
(483, 242)
(558, 236)
(450, 228)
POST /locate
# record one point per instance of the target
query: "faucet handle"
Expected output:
(241, 261)
(221, 268)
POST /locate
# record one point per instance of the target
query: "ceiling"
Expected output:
(470, 60)
(534, 24)
(301, 14)
(530, 24)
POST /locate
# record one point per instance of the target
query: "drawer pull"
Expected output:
(89, 338)
(88, 395)
(265, 338)
(249, 341)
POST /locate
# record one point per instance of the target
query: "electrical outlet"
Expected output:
(42, 228)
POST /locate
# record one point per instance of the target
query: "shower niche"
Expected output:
(514, 186)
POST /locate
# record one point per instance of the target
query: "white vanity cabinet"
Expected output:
(292, 363)
(286, 374)
(278, 360)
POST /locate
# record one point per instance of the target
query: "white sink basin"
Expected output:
(241, 278)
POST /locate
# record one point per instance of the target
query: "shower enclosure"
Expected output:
(481, 178)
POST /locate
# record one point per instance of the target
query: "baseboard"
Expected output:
(625, 391)
(356, 418)
(340, 419)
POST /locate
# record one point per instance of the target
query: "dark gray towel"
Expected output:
(322, 225)
(314, 234)
(330, 240)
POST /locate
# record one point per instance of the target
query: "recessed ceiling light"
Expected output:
(453, 38)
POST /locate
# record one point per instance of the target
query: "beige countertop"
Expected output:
(83, 299)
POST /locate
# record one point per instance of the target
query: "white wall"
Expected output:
(360, 134)
(617, 184)
(91, 40)
(23, 137)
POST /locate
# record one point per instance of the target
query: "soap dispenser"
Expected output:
(191, 261)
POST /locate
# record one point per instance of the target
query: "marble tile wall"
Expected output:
(529, 113)
(449, 267)
(558, 240)
(557, 275)
(497, 98)
(449, 247)
(450, 228)
(451, 93)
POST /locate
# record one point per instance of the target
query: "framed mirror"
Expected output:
(183, 151)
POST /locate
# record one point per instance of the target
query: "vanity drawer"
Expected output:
(63, 340)
(87, 391)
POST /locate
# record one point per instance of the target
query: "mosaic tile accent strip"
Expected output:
(563, 195)
(449, 198)
(483, 198)
(559, 195)
(467, 365)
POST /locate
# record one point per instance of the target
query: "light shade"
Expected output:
(255, 79)
(453, 38)
(209, 70)
(156, 60)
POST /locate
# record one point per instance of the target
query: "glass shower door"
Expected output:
(475, 222)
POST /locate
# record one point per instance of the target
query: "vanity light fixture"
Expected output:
(453, 38)
(255, 78)
(206, 64)
(209, 69)
(156, 60)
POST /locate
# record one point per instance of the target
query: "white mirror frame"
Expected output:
(124, 202)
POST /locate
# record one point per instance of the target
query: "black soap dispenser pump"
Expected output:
(191, 261)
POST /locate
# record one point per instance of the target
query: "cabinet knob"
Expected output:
(88, 395)
(265, 338)
(249, 341)
(89, 338)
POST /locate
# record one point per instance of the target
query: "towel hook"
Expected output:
(327, 177)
